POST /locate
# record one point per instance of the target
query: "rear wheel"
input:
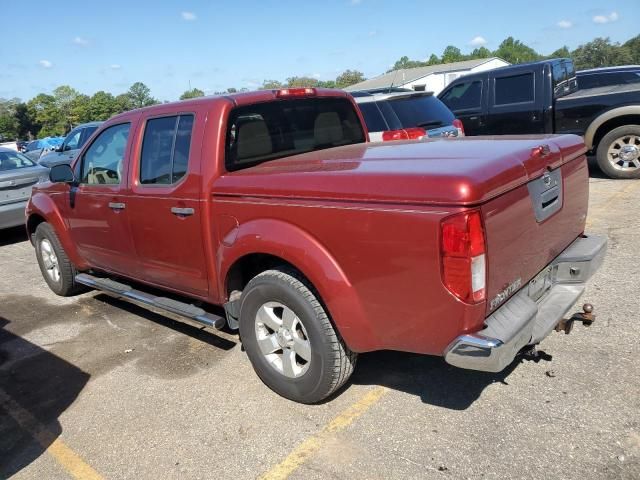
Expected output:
(289, 339)
(618, 152)
(55, 266)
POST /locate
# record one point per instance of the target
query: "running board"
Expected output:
(126, 291)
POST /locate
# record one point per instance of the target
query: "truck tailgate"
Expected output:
(529, 226)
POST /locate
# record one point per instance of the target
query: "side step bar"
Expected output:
(126, 291)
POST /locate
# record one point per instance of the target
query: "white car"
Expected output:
(406, 115)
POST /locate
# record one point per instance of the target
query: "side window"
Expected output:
(102, 162)
(165, 149)
(72, 141)
(464, 96)
(514, 89)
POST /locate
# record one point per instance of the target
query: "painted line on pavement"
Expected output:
(65, 456)
(314, 443)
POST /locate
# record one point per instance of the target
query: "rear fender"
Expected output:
(307, 254)
(43, 206)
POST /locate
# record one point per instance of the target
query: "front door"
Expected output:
(467, 101)
(97, 210)
(165, 208)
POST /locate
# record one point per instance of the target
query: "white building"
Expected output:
(432, 78)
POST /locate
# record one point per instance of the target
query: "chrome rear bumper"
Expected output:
(522, 321)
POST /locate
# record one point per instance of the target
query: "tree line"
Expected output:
(58, 112)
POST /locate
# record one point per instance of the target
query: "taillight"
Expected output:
(464, 270)
(458, 124)
(414, 133)
(296, 92)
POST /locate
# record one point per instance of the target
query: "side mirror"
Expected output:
(61, 174)
(59, 148)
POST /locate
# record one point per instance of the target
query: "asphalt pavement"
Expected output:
(93, 387)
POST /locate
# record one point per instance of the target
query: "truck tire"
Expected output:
(289, 338)
(618, 152)
(55, 266)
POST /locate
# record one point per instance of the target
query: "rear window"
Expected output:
(267, 131)
(421, 111)
(514, 89)
(13, 161)
(372, 117)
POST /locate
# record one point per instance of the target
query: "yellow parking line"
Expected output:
(55, 447)
(312, 444)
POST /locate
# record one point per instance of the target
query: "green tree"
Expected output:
(64, 99)
(293, 82)
(600, 52)
(193, 93)
(102, 105)
(47, 117)
(514, 51)
(8, 123)
(140, 96)
(80, 110)
(633, 47)
(562, 52)
(27, 127)
(232, 90)
(404, 62)
(327, 84)
(433, 60)
(271, 85)
(481, 52)
(452, 54)
(349, 77)
(122, 103)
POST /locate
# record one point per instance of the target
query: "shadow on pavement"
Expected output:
(430, 378)
(207, 336)
(594, 168)
(36, 387)
(9, 236)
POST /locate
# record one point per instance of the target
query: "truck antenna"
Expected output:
(393, 81)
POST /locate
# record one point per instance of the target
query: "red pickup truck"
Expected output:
(318, 244)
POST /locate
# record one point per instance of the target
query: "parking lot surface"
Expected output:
(93, 387)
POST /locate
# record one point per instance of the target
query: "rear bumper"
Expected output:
(12, 215)
(522, 321)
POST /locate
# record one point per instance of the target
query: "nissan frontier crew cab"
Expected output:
(318, 244)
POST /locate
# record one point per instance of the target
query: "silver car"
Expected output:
(17, 175)
(71, 146)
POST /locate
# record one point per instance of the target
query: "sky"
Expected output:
(171, 45)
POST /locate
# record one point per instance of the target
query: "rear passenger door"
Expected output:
(164, 207)
(467, 101)
(515, 103)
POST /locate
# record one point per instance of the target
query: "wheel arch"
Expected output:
(607, 121)
(41, 209)
(263, 244)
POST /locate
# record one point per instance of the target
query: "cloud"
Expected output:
(355, 2)
(189, 16)
(45, 64)
(373, 33)
(565, 24)
(478, 41)
(115, 66)
(316, 75)
(83, 42)
(612, 17)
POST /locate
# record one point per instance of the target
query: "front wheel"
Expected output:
(56, 268)
(289, 339)
(618, 152)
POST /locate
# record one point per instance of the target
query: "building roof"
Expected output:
(407, 75)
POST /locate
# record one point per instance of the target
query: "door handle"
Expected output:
(182, 212)
(116, 205)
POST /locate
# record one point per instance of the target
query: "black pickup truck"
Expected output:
(544, 97)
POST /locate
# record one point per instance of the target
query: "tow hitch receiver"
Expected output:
(587, 317)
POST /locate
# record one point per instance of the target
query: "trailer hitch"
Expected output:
(587, 317)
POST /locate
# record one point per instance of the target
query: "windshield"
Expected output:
(14, 160)
(421, 111)
(271, 130)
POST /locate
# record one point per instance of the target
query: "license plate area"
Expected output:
(540, 284)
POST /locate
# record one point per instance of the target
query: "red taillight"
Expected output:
(458, 124)
(414, 133)
(464, 256)
(296, 92)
